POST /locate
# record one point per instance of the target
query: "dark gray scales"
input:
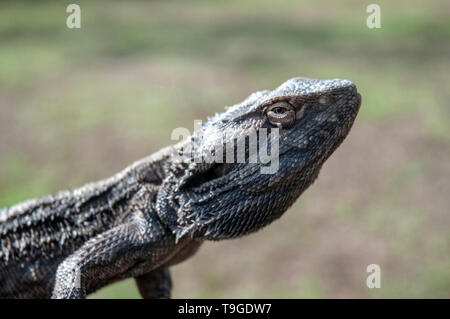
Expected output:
(158, 211)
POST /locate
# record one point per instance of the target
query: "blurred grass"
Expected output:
(77, 105)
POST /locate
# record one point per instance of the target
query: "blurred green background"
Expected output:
(79, 105)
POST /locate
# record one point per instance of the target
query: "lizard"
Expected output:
(158, 211)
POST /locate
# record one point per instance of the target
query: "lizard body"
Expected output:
(158, 211)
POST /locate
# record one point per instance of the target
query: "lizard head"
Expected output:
(249, 164)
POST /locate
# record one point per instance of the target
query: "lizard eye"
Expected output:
(279, 110)
(281, 114)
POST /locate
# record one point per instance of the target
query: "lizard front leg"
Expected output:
(156, 284)
(90, 260)
(109, 255)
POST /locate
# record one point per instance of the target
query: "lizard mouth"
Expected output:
(216, 171)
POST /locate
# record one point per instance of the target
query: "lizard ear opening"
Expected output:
(217, 170)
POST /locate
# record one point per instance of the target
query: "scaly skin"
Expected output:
(157, 212)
